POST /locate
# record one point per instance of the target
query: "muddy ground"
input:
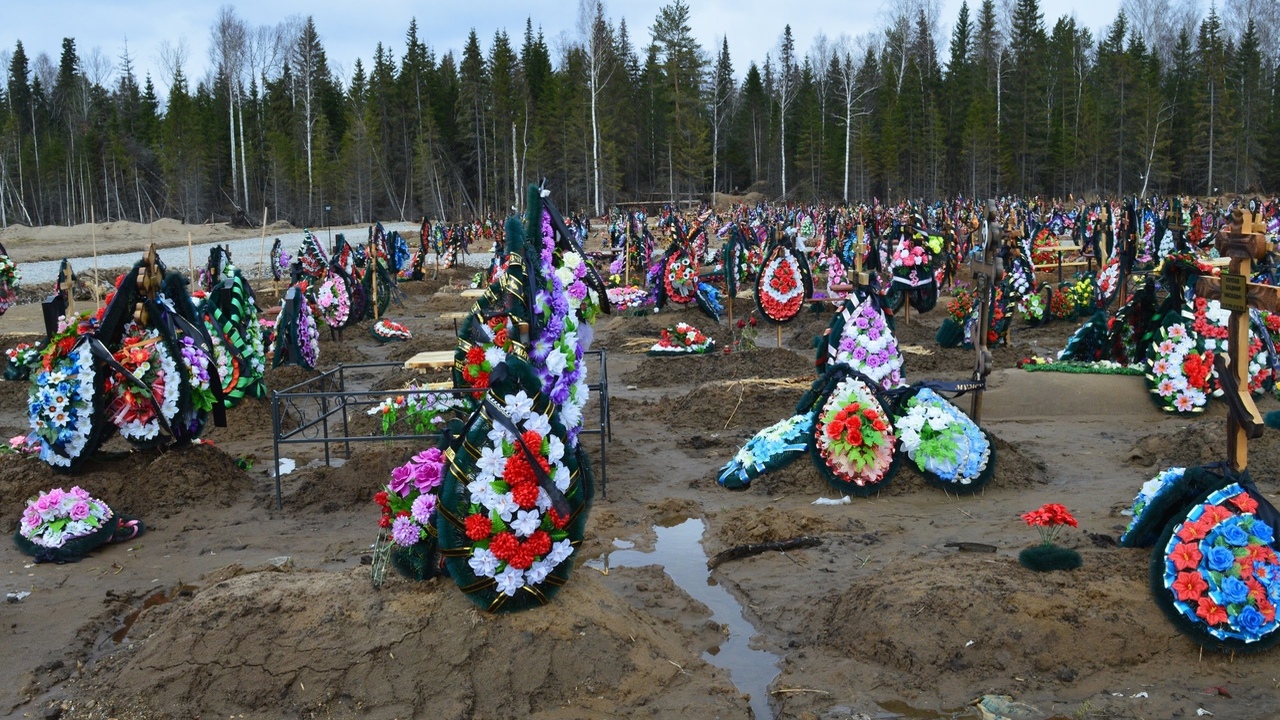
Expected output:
(229, 607)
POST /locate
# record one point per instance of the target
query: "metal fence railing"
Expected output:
(313, 412)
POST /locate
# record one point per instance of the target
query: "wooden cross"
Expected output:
(986, 269)
(860, 277)
(1244, 241)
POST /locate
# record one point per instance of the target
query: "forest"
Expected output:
(1168, 98)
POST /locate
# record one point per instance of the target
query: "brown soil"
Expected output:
(146, 483)
(291, 647)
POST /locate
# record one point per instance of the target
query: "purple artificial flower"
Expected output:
(423, 508)
(405, 532)
(428, 475)
(861, 323)
(859, 353)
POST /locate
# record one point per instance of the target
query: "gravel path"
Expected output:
(245, 251)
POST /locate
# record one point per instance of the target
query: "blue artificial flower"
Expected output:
(1233, 591)
(1262, 531)
(1220, 559)
(1250, 621)
(1234, 534)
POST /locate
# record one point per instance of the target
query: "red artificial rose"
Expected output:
(503, 546)
(854, 436)
(384, 521)
(878, 425)
(753, 321)
(835, 428)
(403, 513)
(478, 527)
(381, 498)
(742, 324)
(1189, 586)
(526, 495)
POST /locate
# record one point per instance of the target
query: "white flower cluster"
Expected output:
(491, 465)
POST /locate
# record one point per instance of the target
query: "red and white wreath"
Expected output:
(781, 288)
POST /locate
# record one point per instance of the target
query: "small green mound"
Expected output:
(1046, 558)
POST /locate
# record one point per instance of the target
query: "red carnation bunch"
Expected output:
(1048, 519)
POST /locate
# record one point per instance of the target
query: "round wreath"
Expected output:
(682, 339)
(387, 331)
(141, 413)
(1216, 573)
(854, 438)
(859, 337)
(1180, 370)
(334, 302)
(680, 278)
(770, 449)
(948, 448)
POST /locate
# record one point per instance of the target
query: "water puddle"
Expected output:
(155, 599)
(679, 553)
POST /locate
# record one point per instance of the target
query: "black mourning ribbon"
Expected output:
(168, 321)
(593, 278)
(104, 355)
(558, 501)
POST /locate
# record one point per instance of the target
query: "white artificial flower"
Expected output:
(491, 462)
(544, 500)
(519, 406)
(561, 476)
(560, 551)
(539, 424)
(556, 452)
(506, 506)
(526, 522)
(510, 581)
(538, 572)
(497, 435)
(494, 355)
(556, 362)
(483, 563)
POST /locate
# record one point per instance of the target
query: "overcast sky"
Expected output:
(350, 29)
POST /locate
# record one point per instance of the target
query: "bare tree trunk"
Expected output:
(244, 166)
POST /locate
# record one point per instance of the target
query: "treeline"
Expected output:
(1162, 101)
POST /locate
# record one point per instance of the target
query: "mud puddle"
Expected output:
(678, 551)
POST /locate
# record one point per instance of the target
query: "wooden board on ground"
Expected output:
(454, 315)
(430, 360)
(471, 293)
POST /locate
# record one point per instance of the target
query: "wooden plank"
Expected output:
(454, 315)
(471, 293)
(431, 359)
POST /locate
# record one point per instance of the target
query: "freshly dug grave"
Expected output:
(328, 644)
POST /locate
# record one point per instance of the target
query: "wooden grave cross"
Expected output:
(986, 268)
(1243, 241)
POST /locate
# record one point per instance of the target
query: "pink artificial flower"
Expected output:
(79, 493)
(80, 511)
(17, 442)
(43, 504)
(400, 479)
